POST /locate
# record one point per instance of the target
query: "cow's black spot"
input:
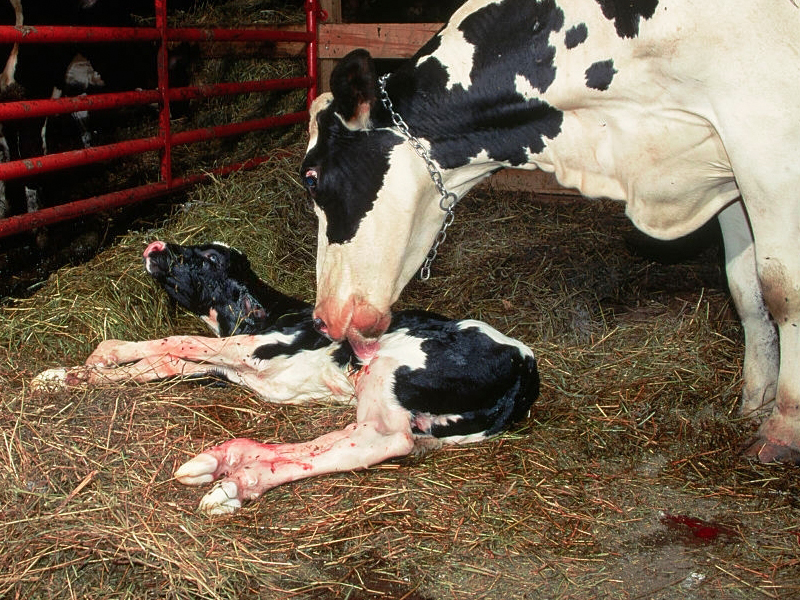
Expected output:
(600, 74)
(350, 166)
(511, 40)
(627, 13)
(576, 35)
(518, 28)
(305, 338)
(454, 382)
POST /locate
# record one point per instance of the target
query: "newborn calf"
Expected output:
(431, 381)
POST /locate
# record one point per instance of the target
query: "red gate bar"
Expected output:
(314, 14)
(48, 34)
(162, 69)
(163, 95)
(25, 109)
(79, 158)
(81, 208)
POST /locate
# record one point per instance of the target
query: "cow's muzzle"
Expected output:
(358, 322)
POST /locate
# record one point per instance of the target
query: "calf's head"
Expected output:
(212, 281)
(377, 206)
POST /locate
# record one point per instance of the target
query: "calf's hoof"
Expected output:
(201, 469)
(223, 499)
(50, 380)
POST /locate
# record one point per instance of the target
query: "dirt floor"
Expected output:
(625, 482)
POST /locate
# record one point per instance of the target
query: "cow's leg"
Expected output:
(382, 430)
(776, 226)
(81, 118)
(761, 354)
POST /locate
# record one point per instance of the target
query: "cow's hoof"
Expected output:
(767, 451)
(50, 380)
(198, 471)
(223, 499)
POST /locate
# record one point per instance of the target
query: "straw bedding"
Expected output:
(641, 365)
(634, 436)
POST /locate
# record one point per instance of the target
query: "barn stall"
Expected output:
(137, 145)
(624, 483)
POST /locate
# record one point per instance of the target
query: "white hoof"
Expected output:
(197, 471)
(223, 499)
(50, 380)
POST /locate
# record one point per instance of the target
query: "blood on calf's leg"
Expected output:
(250, 468)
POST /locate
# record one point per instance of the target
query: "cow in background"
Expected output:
(40, 71)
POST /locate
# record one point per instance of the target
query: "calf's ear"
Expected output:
(354, 84)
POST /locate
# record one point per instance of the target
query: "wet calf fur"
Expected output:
(431, 381)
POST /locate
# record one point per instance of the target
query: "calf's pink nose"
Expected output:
(154, 247)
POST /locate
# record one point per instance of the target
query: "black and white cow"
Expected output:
(39, 71)
(36, 71)
(683, 109)
(432, 381)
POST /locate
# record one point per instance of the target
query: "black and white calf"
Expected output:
(431, 381)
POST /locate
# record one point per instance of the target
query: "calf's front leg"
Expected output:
(151, 368)
(221, 351)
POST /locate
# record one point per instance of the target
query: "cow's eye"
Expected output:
(310, 181)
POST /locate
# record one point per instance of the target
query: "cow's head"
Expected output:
(377, 205)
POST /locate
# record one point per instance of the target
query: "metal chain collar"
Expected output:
(448, 200)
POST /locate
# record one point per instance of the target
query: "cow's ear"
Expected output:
(354, 84)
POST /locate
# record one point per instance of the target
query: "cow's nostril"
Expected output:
(320, 326)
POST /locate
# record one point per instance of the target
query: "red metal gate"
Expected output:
(165, 140)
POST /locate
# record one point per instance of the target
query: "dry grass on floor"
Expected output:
(640, 365)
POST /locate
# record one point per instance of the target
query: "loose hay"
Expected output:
(641, 368)
(640, 363)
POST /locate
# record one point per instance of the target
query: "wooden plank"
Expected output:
(325, 65)
(255, 50)
(383, 40)
(333, 8)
